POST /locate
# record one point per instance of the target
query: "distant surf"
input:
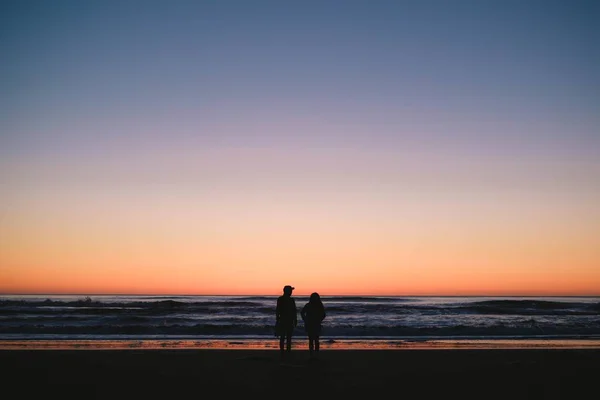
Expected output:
(359, 318)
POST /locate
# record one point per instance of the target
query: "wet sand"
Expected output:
(184, 373)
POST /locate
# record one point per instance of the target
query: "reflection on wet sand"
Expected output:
(250, 344)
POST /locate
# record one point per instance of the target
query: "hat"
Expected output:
(288, 287)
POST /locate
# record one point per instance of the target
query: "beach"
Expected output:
(218, 373)
(172, 347)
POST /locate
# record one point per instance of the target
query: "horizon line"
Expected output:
(301, 294)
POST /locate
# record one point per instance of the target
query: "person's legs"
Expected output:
(311, 344)
(288, 335)
(316, 343)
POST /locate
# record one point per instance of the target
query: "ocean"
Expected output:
(247, 321)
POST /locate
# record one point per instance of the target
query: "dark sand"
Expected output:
(214, 374)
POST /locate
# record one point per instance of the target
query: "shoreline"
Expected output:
(298, 344)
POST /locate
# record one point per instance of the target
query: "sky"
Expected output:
(345, 147)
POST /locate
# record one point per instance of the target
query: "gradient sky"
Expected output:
(345, 147)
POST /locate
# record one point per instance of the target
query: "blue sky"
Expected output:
(373, 72)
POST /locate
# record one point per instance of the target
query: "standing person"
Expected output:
(286, 316)
(313, 314)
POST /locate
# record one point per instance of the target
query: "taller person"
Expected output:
(286, 319)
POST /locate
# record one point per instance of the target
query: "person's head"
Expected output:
(315, 298)
(287, 290)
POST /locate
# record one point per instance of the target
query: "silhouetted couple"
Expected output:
(286, 314)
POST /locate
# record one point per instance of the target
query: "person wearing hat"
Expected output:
(286, 319)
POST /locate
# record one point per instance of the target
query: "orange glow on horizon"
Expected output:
(251, 266)
(89, 241)
(154, 281)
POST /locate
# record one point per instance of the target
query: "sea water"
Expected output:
(248, 321)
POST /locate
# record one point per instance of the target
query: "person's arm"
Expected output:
(303, 313)
(295, 313)
(278, 310)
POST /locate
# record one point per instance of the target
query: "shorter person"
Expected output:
(313, 314)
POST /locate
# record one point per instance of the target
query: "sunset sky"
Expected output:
(345, 147)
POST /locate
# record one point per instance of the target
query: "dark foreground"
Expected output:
(214, 374)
